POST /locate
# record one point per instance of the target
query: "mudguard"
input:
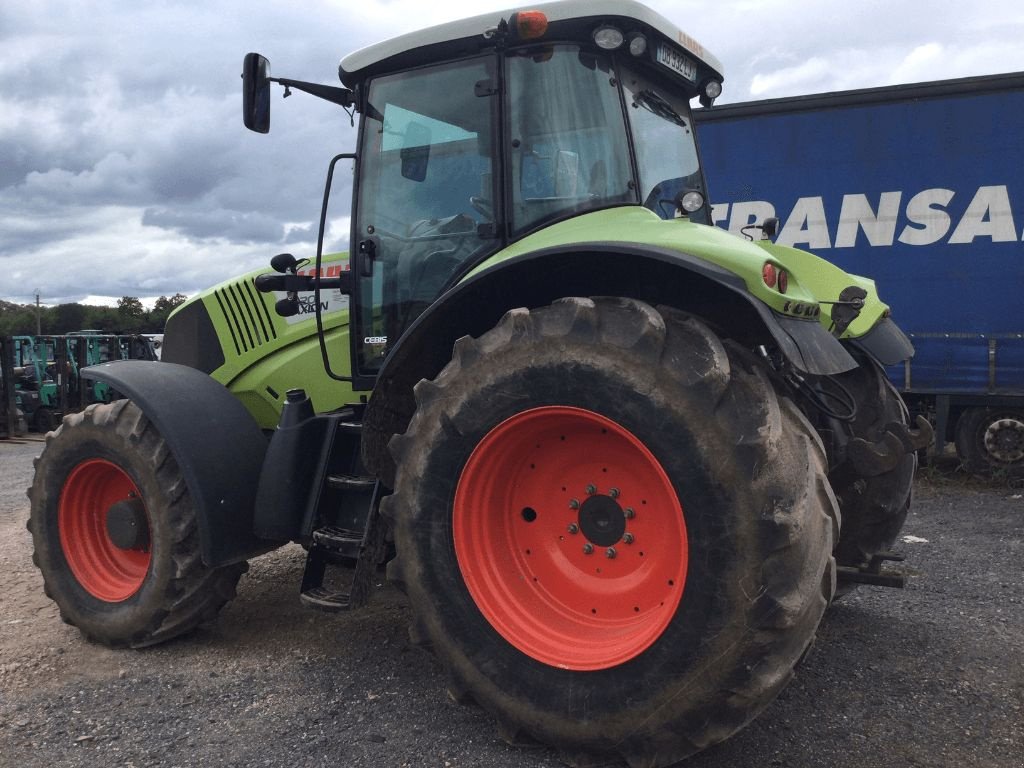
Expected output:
(652, 274)
(215, 441)
(886, 342)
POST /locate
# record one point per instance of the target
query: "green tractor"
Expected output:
(618, 459)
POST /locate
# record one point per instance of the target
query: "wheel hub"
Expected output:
(126, 524)
(602, 520)
(104, 530)
(1004, 440)
(570, 538)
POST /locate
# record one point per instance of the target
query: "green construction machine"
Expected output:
(620, 461)
(46, 371)
(35, 380)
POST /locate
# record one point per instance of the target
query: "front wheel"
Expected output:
(614, 533)
(115, 532)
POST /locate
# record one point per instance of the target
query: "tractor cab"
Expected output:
(478, 133)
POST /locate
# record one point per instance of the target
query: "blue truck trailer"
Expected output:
(921, 188)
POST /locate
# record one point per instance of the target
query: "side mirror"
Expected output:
(284, 262)
(256, 93)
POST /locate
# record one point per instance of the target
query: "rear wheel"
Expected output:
(991, 439)
(614, 534)
(115, 534)
(874, 502)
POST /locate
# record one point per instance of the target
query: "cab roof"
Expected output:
(467, 36)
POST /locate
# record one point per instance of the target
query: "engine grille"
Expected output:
(245, 315)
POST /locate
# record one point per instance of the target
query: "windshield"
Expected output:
(666, 154)
(568, 143)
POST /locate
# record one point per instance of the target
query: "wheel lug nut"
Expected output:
(613, 492)
(610, 553)
(588, 548)
(629, 512)
(573, 528)
(574, 504)
(591, 489)
(628, 538)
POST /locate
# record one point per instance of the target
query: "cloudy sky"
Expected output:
(125, 169)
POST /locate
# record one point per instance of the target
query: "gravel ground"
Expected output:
(932, 675)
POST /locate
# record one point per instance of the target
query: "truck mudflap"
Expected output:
(215, 441)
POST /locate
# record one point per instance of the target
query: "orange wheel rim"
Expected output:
(570, 538)
(104, 570)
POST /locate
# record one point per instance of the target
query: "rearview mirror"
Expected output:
(256, 93)
(415, 153)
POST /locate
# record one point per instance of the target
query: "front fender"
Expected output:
(214, 439)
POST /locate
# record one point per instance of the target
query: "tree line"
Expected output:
(129, 316)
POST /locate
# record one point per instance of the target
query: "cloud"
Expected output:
(234, 226)
(149, 261)
(802, 78)
(125, 170)
(776, 48)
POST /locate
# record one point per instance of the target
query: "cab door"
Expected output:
(428, 198)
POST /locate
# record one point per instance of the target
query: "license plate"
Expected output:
(675, 61)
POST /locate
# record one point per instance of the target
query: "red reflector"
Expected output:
(530, 24)
(783, 281)
(768, 274)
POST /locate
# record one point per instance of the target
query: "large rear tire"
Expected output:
(115, 533)
(636, 434)
(874, 507)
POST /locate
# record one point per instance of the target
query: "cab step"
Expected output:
(338, 541)
(333, 546)
(351, 482)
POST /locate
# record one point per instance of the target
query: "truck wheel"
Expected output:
(115, 533)
(991, 439)
(614, 534)
(874, 506)
(42, 420)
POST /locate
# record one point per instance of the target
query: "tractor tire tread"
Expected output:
(874, 508)
(797, 522)
(194, 592)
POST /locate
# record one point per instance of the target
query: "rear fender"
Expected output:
(651, 274)
(214, 439)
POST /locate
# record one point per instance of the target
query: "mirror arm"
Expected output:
(341, 96)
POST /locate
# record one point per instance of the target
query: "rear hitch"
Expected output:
(872, 573)
(871, 459)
